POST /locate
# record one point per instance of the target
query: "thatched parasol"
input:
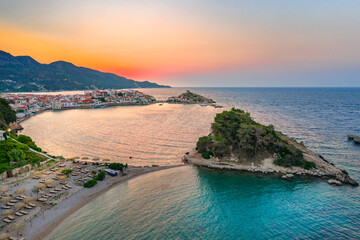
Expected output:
(19, 205)
(5, 199)
(85, 158)
(4, 188)
(4, 236)
(40, 185)
(62, 177)
(29, 199)
(43, 175)
(19, 191)
(17, 226)
(7, 212)
(49, 180)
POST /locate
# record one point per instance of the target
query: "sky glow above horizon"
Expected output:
(193, 43)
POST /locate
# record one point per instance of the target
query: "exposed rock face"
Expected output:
(334, 182)
(324, 169)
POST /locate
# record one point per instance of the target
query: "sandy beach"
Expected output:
(46, 215)
(45, 223)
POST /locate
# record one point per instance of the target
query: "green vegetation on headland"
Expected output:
(15, 154)
(7, 115)
(236, 134)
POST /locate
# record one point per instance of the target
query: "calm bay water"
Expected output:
(187, 202)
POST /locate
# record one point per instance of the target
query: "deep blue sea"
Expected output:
(197, 203)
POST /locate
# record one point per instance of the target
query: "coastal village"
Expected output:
(29, 104)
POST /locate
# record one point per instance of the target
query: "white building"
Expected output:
(2, 138)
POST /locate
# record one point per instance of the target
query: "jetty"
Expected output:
(354, 138)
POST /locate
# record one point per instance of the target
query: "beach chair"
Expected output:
(24, 212)
(7, 220)
(28, 207)
(11, 217)
(18, 214)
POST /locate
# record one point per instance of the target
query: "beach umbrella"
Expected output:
(49, 180)
(40, 185)
(19, 205)
(7, 212)
(5, 199)
(29, 198)
(19, 191)
(4, 236)
(17, 226)
(4, 188)
(62, 177)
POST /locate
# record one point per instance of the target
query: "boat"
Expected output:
(111, 172)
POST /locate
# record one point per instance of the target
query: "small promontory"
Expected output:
(238, 142)
(190, 97)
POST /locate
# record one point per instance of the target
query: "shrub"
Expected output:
(90, 183)
(67, 171)
(117, 166)
(100, 176)
(308, 165)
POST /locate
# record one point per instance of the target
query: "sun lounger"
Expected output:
(53, 192)
(13, 201)
(7, 220)
(64, 187)
(19, 198)
(28, 207)
(36, 177)
(31, 204)
(24, 212)
(10, 204)
(57, 189)
(18, 214)
(42, 199)
(42, 181)
(5, 207)
(22, 196)
(11, 217)
(12, 238)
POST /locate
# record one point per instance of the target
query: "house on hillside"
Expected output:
(2, 138)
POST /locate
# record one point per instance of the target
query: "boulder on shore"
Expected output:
(334, 182)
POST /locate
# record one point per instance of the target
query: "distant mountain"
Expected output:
(24, 74)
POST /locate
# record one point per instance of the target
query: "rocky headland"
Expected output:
(237, 142)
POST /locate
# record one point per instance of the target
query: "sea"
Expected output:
(197, 203)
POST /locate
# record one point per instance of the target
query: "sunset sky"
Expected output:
(193, 43)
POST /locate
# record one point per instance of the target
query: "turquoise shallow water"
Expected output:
(191, 203)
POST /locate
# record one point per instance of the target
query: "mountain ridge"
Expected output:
(25, 74)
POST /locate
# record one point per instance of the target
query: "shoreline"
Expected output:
(43, 224)
(325, 170)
